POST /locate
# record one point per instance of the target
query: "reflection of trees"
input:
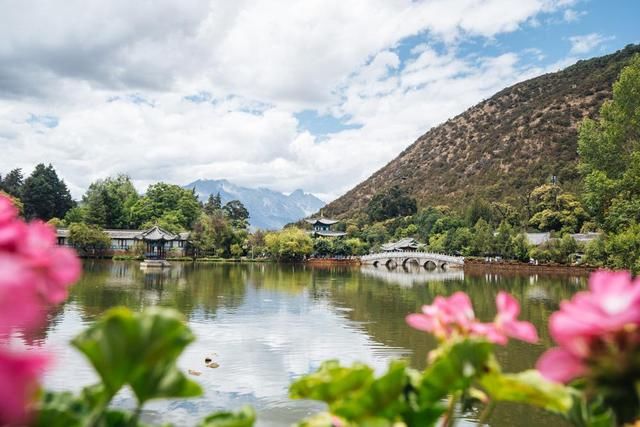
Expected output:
(186, 287)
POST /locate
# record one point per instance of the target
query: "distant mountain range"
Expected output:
(268, 209)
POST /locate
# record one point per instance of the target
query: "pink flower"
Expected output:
(34, 272)
(590, 319)
(505, 325)
(18, 385)
(445, 317)
(20, 304)
(451, 316)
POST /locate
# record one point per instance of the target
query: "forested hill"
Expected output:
(503, 146)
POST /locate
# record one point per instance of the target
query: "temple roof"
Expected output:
(324, 221)
(400, 245)
(157, 233)
(329, 233)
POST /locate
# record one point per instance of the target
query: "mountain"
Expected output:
(268, 209)
(503, 146)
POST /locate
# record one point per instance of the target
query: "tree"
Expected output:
(322, 247)
(237, 213)
(108, 202)
(290, 244)
(609, 151)
(390, 204)
(623, 249)
(214, 203)
(89, 240)
(75, 215)
(160, 200)
(554, 210)
(482, 239)
(45, 195)
(12, 183)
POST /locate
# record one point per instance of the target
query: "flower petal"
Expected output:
(559, 365)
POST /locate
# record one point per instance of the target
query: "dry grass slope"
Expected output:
(503, 146)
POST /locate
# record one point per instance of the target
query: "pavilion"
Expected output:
(322, 227)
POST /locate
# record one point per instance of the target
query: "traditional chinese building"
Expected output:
(322, 227)
(158, 242)
(404, 245)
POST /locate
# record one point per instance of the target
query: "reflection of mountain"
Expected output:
(410, 277)
(268, 209)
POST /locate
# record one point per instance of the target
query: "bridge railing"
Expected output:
(413, 254)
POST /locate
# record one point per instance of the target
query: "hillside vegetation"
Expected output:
(501, 148)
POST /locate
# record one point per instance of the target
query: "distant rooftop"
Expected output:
(324, 221)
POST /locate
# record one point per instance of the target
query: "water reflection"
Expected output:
(269, 324)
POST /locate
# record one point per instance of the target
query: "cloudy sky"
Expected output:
(313, 94)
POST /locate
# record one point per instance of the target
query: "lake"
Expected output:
(268, 324)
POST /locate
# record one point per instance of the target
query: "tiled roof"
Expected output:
(407, 243)
(324, 221)
(329, 233)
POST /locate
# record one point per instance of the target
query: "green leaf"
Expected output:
(139, 349)
(528, 387)
(331, 382)
(353, 394)
(244, 417)
(454, 368)
(63, 409)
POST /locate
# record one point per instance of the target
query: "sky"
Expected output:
(314, 94)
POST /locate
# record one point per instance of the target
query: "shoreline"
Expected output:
(480, 266)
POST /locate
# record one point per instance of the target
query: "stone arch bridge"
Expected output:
(405, 258)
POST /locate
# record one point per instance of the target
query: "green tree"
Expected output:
(290, 244)
(89, 240)
(108, 202)
(623, 249)
(482, 239)
(609, 150)
(554, 210)
(520, 247)
(74, 215)
(322, 247)
(12, 183)
(45, 195)
(213, 204)
(237, 213)
(160, 200)
(392, 203)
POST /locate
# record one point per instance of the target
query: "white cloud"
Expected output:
(587, 43)
(108, 85)
(572, 15)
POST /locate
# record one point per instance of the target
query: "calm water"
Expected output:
(269, 324)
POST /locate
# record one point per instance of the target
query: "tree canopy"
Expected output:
(45, 195)
(392, 203)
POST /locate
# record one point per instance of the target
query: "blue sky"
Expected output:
(268, 93)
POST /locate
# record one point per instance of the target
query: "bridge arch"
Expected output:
(429, 265)
(410, 260)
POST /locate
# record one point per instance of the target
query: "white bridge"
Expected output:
(404, 258)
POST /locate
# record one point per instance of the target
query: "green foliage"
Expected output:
(623, 249)
(166, 202)
(88, 240)
(353, 394)
(56, 223)
(213, 204)
(16, 201)
(392, 203)
(139, 350)
(244, 417)
(12, 183)
(108, 202)
(45, 195)
(290, 244)
(237, 214)
(554, 211)
(528, 387)
(214, 234)
(610, 152)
